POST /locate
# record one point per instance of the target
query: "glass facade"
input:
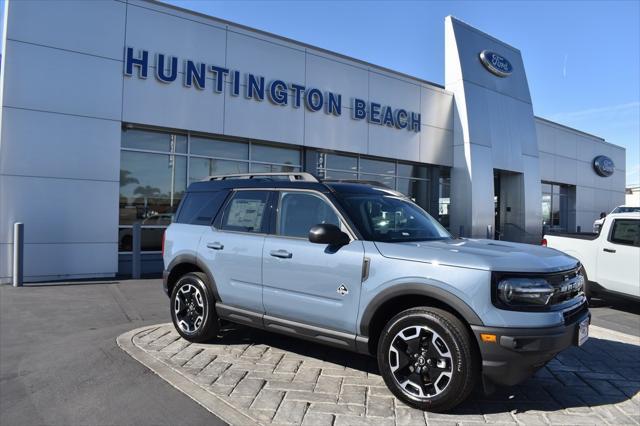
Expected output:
(555, 206)
(156, 167)
(428, 186)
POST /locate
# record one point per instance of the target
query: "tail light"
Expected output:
(542, 243)
(163, 235)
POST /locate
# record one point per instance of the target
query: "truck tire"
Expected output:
(193, 308)
(427, 359)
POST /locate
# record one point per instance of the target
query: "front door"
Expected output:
(305, 282)
(618, 258)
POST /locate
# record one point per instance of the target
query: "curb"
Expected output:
(605, 333)
(207, 400)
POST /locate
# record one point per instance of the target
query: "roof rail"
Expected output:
(291, 176)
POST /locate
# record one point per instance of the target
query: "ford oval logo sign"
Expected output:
(603, 165)
(495, 63)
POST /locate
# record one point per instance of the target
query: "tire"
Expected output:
(193, 308)
(444, 349)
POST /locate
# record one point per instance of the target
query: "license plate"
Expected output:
(583, 332)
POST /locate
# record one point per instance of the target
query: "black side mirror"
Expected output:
(327, 233)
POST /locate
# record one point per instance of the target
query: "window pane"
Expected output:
(299, 212)
(546, 209)
(150, 185)
(555, 210)
(626, 232)
(417, 190)
(271, 154)
(216, 148)
(330, 174)
(154, 141)
(272, 168)
(200, 168)
(376, 166)
(199, 208)
(546, 188)
(150, 239)
(245, 212)
(341, 162)
(388, 181)
(410, 170)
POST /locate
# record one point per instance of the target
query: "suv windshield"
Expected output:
(389, 218)
(625, 209)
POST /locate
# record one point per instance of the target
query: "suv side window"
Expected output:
(199, 208)
(626, 231)
(300, 211)
(246, 212)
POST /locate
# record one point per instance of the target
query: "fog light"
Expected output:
(488, 338)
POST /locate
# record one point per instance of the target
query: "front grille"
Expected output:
(568, 284)
(572, 315)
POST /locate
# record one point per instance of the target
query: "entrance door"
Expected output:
(496, 205)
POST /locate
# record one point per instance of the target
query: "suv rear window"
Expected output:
(245, 212)
(199, 208)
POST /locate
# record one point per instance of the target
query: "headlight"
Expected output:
(524, 292)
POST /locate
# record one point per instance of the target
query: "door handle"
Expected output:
(609, 250)
(215, 246)
(283, 254)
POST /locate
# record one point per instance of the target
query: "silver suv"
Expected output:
(361, 267)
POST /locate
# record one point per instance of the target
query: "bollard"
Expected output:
(18, 254)
(135, 250)
(579, 229)
(489, 236)
(461, 231)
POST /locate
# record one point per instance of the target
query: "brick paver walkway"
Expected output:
(267, 378)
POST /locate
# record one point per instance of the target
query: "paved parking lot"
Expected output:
(252, 377)
(60, 365)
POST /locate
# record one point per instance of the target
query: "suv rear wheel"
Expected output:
(193, 308)
(426, 359)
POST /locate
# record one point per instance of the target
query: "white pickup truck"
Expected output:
(610, 258)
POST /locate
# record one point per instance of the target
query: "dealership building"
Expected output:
(111, 109)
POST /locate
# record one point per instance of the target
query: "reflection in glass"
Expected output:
(367, 165)
(332, 174)
(150, 185)
(388, 181)
(200, 168)
(272, 154)
(411, 170)
(272, 168)
(154, 141)
(341, 162)
(217, 148)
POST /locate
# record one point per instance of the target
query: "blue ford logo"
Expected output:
(603, 165)
(495, 63)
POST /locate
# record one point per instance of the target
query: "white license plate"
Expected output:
(583, 332)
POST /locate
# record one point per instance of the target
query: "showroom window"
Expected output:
(555, 206)
(417, 181)
(156, 168)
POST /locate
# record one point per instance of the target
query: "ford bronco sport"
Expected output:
(361, 267)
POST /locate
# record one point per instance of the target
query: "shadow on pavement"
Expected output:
(601, 372)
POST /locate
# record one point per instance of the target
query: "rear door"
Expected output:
(310, 283)
(618, 268)
(232, 249)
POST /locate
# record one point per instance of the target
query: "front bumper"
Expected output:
(518, 352)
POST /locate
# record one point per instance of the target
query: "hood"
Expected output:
(490, 255)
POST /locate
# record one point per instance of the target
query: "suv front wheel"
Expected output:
(193, 308)
(426, 359)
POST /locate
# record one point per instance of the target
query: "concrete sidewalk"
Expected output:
(253, 377)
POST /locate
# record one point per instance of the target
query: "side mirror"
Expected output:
(327, 233)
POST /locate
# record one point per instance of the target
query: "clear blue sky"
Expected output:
(582, 58)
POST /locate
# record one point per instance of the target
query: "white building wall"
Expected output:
(60, 136)
(566, 157)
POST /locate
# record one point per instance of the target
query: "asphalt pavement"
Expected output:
(60, 365)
